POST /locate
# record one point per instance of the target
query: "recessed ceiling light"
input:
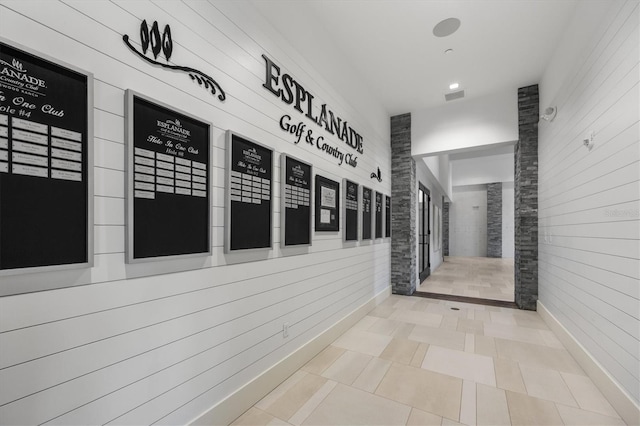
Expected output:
(448, 51)
(454, 86)
(446, 27)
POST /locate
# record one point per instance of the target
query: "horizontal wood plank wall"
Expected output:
(138, 344)
(589, 200)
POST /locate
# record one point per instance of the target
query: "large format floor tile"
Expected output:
(416, 361)
(483, 277)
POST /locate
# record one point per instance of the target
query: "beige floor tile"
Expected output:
(508, 375)
(400, 350)
(279, 391)
(470, 326)
(522, 334)
(365, 323)
(493, 409)
(527, 410)
(468, 403)
(382, 311)
(323, 360)
(577, 417)
(477, 368)
(546, 384)
(537, 355)
(403, 331)
(348, 406)
(422, 389)
(484, 345)
(293, 399)
(418, 357)
(438, 336)
(384, 326)
(449, 322)
(422, 418)
(363, 341)
(254, 417)
(347, 368)
(587, 395)
(405, 303)
(470, 343)
(531, 321)
(449, 422)
(312, 403)
(372, 375)
(418, 318)
(503, 318)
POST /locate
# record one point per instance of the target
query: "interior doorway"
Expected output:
(424, 231)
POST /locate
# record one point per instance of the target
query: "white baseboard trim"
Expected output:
(618, 397)
(230, 408)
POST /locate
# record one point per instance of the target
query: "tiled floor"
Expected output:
(481, 277)
(418, 361)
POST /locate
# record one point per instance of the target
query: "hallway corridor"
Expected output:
(479, 277)
(417, 361)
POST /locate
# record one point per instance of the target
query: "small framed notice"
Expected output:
(387, 216)
(327, 204)
(168, 181)
(295, 207)
(249, 194)
(46, 164)
(378, 214)
(350, 210)
(366, 213)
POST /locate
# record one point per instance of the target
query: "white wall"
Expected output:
(137, 344)
(508, 220)
(482, 170)
(589, 226)
(465, 124)
(468, 225)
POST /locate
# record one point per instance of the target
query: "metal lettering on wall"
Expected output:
(152, 38)
(291, 92)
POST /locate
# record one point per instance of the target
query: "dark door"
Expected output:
(424, 232)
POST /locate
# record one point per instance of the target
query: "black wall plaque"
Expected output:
(350, 210)
(168, 176)
(327, 204)
(366, 213)
(249, 194)
(378, 215)
(295, 202)
(387, 216)
(46, 160)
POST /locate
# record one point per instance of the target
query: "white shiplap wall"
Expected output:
(589, 248)
(138, 344)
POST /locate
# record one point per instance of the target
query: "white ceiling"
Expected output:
(389, 43)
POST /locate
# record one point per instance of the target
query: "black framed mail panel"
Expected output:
(378, 214)
(168, 181)
(387, 216)
(295, 202)
(351, 209)
(249, 194)
(366, 213)
(46, 163)
(327, 204)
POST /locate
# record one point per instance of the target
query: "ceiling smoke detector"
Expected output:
(454, 95)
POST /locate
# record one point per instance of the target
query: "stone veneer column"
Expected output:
(526, 199)
(445, 228)
(403, 207)
(494, 219)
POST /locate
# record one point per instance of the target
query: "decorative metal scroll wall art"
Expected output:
(151, 38)
(377, 176)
